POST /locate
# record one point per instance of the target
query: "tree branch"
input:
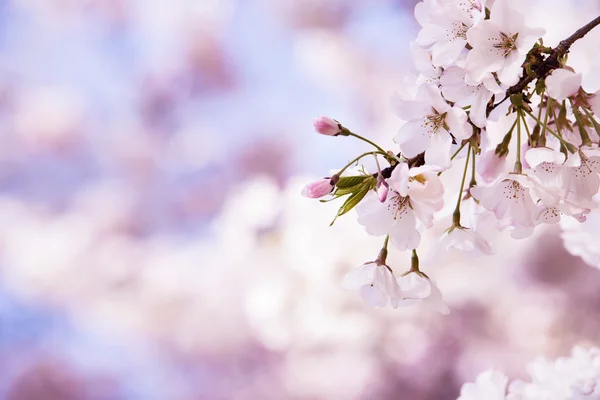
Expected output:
(549, 63)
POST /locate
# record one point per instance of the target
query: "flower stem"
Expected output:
(364, 139)
(568, 145)
(414, 265)
(585, 138)
(518, 165)
(473, 176)
(527, 130)
(341, 171)
(545, 124)
(456, 214)
(591, 117)
(462, 146)
(414, 261)
(382, 257)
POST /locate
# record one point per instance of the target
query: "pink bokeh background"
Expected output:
(153, 240)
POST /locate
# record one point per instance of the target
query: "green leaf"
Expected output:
(352, 201)
(344, 191)
(349, 181)
(369, 180)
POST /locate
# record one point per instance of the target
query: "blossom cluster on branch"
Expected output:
(479, 61)
(575, 377)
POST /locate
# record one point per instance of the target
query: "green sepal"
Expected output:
(540, 86)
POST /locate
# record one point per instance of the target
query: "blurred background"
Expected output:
(153, 242)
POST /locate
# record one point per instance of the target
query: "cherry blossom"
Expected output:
(466, 240)
(422, 60)
(432, 126)
(575, 377)
(582, 181)
(563, 83)
(418, 289)
(500, 44)
(376, 284)
(490, 165)
(445, 26)
(472, 103)
(489, 385)
(509, 198)
(424, 188)
(455, 88)
(394, 217)
(582, 239)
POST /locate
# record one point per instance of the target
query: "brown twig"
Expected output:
(549, 63)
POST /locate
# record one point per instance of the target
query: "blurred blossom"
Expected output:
(153, 240)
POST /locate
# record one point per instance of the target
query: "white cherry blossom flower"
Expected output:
(376, 284)
(424, 188)
(444, 28)
(547, 166)
(582, 239)
(465, 240)
(419, 289)
(575, 377)
(500, 43)
(394, 217)
(477, 95)
(583, 181)
(490, 165)
(422, 60)
(509, 198)
(489, 385)
(432, 124)
(553, 214)
(562, 83)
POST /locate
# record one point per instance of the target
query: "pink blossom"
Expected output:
(509, 198)
(489, 385)
(490, 165)
(562, 83)
(318, 188)
(396, 218)
(376, 283)
(327, 126)
(418, 289)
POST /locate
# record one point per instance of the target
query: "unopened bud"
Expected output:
(382, 192)
(318, 189)
(327, 126)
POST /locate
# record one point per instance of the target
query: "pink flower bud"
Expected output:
(318, 189)
(327, 126)
(382, 192)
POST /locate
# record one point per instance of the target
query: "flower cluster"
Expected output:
(507, 109)
(575, 377)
